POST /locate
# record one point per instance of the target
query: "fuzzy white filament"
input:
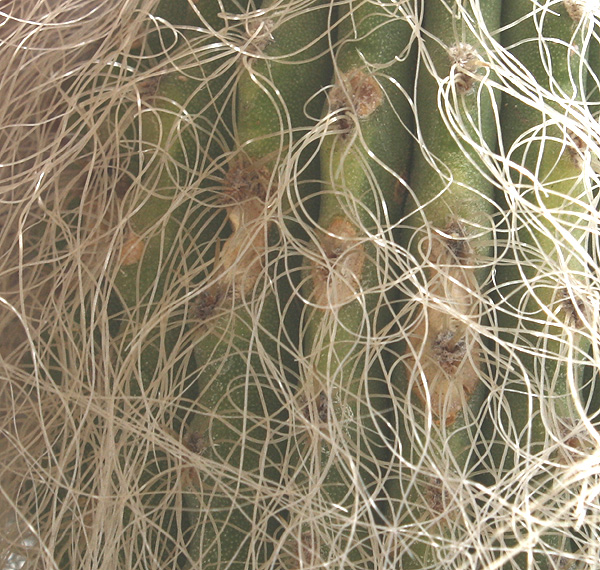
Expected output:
(74, 440)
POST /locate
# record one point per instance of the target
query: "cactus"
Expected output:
(338, 439)
(440, 374)
(543, 302)
(240, 420)
(299, 285)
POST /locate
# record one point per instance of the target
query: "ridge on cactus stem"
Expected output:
(541, 288)
(337, 447)
(237, 427)
(441, 374)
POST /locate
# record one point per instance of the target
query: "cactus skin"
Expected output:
(344, 273)
(448, 230)
(186, 116)
(534, 301)
(253, 405)
(237, 424)
(280, 96)
(292, 66)
(238, 432)
(165, 38)
(240, 418)
(144, 271)
(557, 169)
(182, 128)
(178, 21)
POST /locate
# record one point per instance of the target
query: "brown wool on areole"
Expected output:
(575, 9)
(195, 441)
(246, 189)
(246, 180)
(400, 189)
(444, 377)
(357, 91)
(148, 88)
(336, 279)
(575, 442)
(240, 261)
(317, 409)
(132, 250)
(574, 309)
(302, 552)
(443, 351)
(455, 241)
(259, 32)
(435, 495)
(310, 555)
(190, 479)
(206, 304)
(439, 502)
(576, 149)
(450, 349)
(571, 436)
(465, 62)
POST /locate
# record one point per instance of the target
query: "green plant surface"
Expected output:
(236, 427)
(286, 67)
(440, 370)
(164, 28)
(145, 349)
(240, 419)
(340, 404)
(237, 434)
(183, 122)
(593, 78)
(280, 96)
(541, 285)
(545, 303)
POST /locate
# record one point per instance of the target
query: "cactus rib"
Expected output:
(337, 424)
(440, 371)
